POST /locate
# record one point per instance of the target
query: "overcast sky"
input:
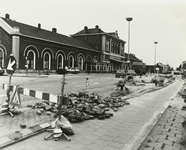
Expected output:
(153, 21)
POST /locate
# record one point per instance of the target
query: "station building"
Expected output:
(38, 49)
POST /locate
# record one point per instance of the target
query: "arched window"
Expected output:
(31, 57)
(80, 62)
(89, 59)
(46, 61)
(71, 61)
(95, 60)
(60, 61)
(1, 58)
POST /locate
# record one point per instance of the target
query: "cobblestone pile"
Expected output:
(82, 106)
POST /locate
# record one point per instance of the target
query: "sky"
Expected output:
(162, 21)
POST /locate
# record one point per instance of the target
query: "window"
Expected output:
(60, 61)
(46, 61)
(71, 61)
(80, 62)
(31, 60)
(1, 58)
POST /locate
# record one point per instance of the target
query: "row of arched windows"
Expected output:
(47, 59)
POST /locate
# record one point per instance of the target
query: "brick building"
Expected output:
(39, 49)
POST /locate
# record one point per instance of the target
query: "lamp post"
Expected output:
(155, 57)
(128, 60)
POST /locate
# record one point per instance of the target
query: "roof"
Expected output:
(96, 30)
(86, 30)
(35, 32)
(132, 57)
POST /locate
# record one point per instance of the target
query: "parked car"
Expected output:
(61, 71)
(120, 73)
(74, 70)
(131, 72)
(2, 71)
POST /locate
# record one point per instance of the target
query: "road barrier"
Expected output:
(37, 94)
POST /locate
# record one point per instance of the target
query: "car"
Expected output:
(131, 72)
(2, 71)
(120, 73)
(74, 70)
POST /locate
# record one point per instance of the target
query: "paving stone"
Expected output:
(35, 128)
(149, 148)
(116, 144)
(179, 146)
(107, 138)
(76, 145)
(101, 142)
(168, 133)
(168, 142)
(155, 144)
(26, 132)
(109, 148)
(4, 140)
(168, 147)
(15, 136)
(160, 136)
(95, 146)
(178, 135)
(162, 130)
(157, 148)
(174, 139)
(120, 140)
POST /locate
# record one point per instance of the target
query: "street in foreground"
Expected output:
(126, 130)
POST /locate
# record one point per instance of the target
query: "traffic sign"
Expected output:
(11, 64)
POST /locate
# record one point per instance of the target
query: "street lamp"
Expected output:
(128, 19)
(155, 56)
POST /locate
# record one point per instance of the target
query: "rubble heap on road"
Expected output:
(80, 106)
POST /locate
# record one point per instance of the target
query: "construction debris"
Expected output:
(81, 106)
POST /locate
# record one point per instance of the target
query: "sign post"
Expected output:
(11, 66)
(10, 69)
(87, 84)
(62, 93)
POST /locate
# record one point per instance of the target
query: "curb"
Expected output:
(21, 135)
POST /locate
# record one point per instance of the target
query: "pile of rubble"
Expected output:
(80, 106)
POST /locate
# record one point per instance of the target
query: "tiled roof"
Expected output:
(132, 57)
(47, 35)
(89, 31)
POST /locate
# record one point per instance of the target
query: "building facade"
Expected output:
(112, 48)
(37, 49)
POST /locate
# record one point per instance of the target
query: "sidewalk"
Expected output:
(10, 127)
(118, 132)
(168, 131)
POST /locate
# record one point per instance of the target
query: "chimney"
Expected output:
(97, 27)
(54, 30)
(116, 34)
(7, 16)
(39, 26)
(16, 29)
(85, 29)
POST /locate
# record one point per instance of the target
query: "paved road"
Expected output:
(52, 83)
(125, 131)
